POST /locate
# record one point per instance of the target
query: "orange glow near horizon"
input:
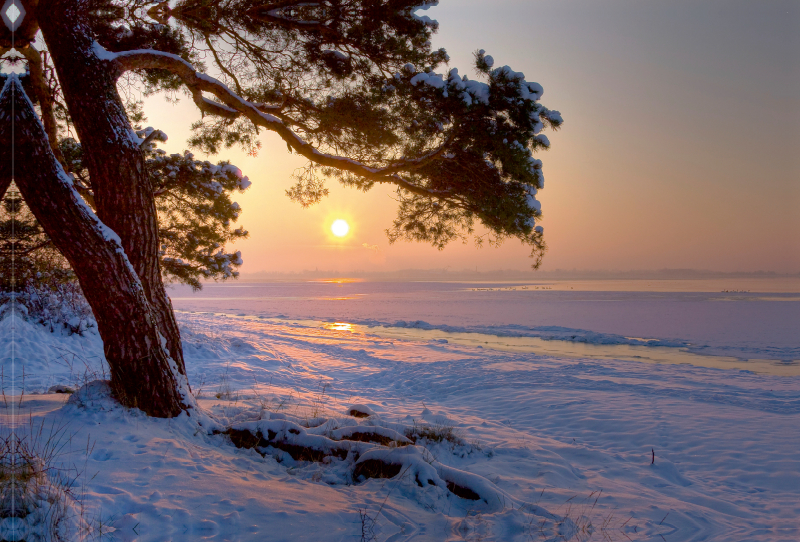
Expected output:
(344, 280)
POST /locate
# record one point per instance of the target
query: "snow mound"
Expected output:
(95, 395)
(360, 411)
(34, 359)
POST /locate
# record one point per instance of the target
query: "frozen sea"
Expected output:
(746, 324)
(658, 411)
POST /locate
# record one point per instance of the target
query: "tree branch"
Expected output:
(232, 106)
(45, 98)
(34, 248)
(221, 66)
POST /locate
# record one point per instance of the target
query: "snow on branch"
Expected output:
(231, 105)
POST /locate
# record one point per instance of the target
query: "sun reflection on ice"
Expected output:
(339, 326)
(338, 281)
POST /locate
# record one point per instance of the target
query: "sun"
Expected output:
(340, 228)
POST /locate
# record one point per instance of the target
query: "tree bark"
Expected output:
(44, 97)
(5, 182)
(123, 193)
(143, 375)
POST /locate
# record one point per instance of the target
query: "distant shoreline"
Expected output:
(444, 275)
(729, 284)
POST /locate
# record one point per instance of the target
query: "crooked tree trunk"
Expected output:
(143, 375)
(123, 192)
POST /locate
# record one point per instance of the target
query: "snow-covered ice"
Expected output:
(538, 436)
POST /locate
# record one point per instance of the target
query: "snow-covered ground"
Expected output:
(565, 432)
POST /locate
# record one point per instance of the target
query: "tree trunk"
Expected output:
(5, 182)
(123, 193)
(143, 374)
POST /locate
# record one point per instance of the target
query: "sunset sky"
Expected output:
(680, 147)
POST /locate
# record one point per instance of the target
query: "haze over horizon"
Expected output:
(682, 120)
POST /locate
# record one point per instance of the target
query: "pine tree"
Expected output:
(351, 85)
(196, 216)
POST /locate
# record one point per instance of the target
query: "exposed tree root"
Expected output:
(374, 468)
(243, 438)
(463, 492)
(378, 452)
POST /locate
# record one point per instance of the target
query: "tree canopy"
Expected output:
(353, 86)
(197, 219)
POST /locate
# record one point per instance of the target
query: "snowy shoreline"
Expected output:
(542, 429)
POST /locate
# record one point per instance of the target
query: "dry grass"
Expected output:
(582, 521)
(39, 487)
(435, 433)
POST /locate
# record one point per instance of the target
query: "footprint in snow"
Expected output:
(102, 455)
